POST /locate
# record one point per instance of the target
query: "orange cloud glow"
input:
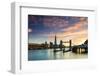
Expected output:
(78, 33)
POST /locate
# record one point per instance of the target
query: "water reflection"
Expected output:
(48, 54)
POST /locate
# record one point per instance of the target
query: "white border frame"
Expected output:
(16, 53)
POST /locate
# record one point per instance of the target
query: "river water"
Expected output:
(48, 54)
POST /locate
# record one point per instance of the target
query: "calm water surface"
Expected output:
(48, 54)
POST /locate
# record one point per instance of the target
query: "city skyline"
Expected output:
(44, 28)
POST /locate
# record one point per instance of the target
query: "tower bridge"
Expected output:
(61, 46)
(83, 48)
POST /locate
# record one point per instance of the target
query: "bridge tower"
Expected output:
(55, 43)
(70, 45)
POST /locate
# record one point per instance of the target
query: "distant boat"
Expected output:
(66, 50)
(57, 50)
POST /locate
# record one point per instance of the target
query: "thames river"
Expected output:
(48, 54)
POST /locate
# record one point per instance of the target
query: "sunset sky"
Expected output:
(44, 28)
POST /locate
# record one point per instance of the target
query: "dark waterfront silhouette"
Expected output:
(83, 48)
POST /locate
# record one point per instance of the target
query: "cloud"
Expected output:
(66, 28)
(55, 22)
(77, 26)
(78, 32)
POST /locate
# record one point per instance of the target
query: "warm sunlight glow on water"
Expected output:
(48, 54)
